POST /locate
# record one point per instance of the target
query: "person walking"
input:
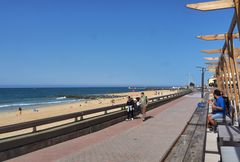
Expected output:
(130, 108)
(143, 105)
(137, 106)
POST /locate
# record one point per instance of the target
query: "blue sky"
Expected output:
(104, 42)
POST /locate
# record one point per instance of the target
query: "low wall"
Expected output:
(16, 146)
(190, 145)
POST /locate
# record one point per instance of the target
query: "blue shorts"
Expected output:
(217, 116)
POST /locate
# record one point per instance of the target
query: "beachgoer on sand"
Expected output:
(143, 105)
(20, 110)
(130, 108)
(113, 101)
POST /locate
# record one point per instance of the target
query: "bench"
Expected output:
(224, 121)
(230, 154)
(228, 135)
(227, 120)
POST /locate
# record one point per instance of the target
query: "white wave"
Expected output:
(15, 105)
(36, 103)
(61, 98)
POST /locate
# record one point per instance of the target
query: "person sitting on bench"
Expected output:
(218, 108)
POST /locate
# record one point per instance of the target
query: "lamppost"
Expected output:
(203, 71)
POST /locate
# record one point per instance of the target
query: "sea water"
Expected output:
(13, 98)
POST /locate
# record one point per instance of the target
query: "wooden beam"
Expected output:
(213, 5)
(216, 51)
(216, 63)
(211, 70)
(212, 66)
(217, 36)
(211, 63)
(211, 58)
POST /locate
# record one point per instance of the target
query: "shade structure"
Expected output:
(227, 66)
(213, 5)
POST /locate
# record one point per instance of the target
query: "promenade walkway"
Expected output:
(130, 141)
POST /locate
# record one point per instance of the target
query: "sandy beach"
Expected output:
(8, 118)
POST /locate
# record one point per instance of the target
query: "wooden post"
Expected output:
(223, 75)
(234, 74)
(226, 76)
(220, 79)
(237, 13)
(231, 63)
(235, 65)
(230, 97)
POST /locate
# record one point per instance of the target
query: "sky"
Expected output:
(105, 42)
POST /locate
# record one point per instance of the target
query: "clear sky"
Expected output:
(104, 42)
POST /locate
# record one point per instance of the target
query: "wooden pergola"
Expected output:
(226, 68)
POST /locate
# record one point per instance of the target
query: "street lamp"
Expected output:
(203, 71)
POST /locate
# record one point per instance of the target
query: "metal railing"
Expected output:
(79, 116)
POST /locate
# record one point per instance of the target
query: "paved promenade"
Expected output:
(129, 141)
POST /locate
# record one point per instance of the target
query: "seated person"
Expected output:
(218, 108)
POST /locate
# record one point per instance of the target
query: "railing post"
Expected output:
(76, 119)
(105, 112)
(81, 117)
(35, 129)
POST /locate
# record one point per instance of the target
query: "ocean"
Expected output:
(12, 98)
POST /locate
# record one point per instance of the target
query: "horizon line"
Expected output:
(81, 86)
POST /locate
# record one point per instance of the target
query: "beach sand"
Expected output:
(8, 118)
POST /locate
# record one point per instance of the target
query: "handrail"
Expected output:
(33, 124)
